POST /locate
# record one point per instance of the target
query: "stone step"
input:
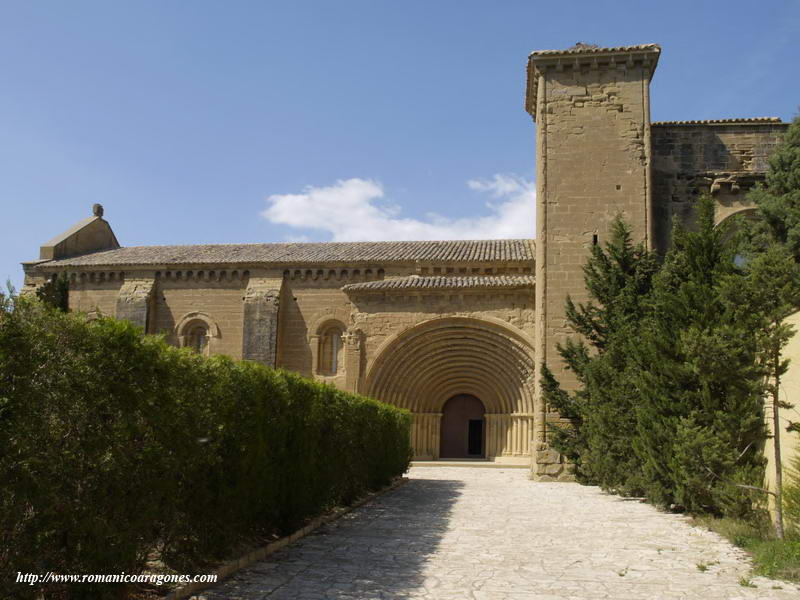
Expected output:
(475, 463)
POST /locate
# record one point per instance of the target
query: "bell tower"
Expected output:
(591, 106)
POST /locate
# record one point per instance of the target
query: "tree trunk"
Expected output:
(776, 440)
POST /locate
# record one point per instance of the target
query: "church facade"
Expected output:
(454, 331)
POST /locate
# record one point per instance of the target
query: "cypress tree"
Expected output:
(618, 278)
(778, 200)
(699, 414)
(773, 270)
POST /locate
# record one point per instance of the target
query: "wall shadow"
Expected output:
(377, 551)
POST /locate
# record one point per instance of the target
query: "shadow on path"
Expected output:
(376, 551)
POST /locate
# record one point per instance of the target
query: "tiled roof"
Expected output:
(416, 282)
(722, 121)
(589, 49)
(452, 251)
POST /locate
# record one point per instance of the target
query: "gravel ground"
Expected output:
(472, 533)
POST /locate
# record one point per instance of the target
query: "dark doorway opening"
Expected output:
(475, 437)
(463, 428)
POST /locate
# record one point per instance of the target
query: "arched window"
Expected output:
(196, 330)
(330, 349)
(197, 338)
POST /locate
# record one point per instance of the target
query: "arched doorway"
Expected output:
(463, 428)
(425, 365)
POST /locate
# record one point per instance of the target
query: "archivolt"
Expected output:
(422, 368)
(748, 212)
(193, 317)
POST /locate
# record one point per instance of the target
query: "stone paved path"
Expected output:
(472, 533)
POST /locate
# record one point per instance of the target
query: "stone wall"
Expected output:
(383, 316)
(170, 297)
(221, 299)
(725, 158)
(314, 297)
(94, 296)
(790, 393)
(308, 304)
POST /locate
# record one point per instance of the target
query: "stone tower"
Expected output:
(592, 114)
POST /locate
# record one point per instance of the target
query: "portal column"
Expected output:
(426, 435)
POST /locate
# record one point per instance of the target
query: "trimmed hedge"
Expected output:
(114, 444)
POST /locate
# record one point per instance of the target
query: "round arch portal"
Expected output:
(426, 366)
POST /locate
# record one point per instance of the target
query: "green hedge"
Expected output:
(113, 444)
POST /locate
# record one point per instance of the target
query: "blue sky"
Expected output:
(214, 122)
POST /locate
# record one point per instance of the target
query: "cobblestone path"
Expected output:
(472, 533)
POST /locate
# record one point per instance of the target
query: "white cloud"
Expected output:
(356, 210)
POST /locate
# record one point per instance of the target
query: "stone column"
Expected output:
(493, 442)
(353, 359)
(426, 435)
(134, 299)
(260, 326)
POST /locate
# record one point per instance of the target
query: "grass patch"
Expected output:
(703, 567)
(778, 559)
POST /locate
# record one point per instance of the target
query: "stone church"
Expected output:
(454, 331)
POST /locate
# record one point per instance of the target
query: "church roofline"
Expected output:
(308, 253)
(92, 234)
(71, 231)
(590, 49)
(416, 282)
(740, 121)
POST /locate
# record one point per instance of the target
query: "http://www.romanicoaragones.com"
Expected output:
(152, 578)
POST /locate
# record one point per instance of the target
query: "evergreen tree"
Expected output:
(770, 295)
(618, 278)
(699, 411)
(778, 204)
(55, 292)
(778, 200)
(676, 364)
(775, 283)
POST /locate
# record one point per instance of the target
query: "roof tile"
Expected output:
(309, 253)
(742, 121)
(589, 49)
(416, 282)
